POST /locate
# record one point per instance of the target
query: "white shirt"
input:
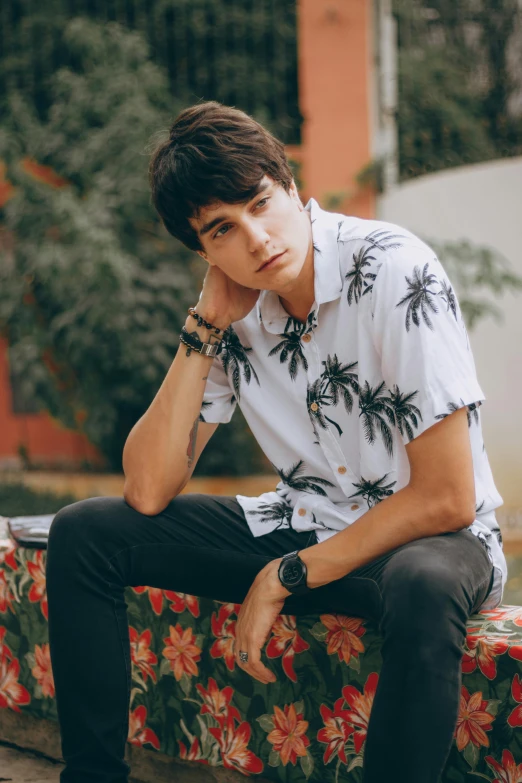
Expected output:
(384, 355)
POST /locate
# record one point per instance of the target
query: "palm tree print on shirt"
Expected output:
(419, 297)
(336, 381)
(291, 345)
(235, 359)
(316, 399)
(206, 404)
(472, 412)
(447, 295)
(278, 511)
(292, 478)
(383, 239)
(404, 409)
(358, 277)
(373, 491)
(340, 379)
(361, 281)
(375, 407)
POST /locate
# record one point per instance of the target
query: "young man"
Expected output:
(343, 342)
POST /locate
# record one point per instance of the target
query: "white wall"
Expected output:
(482, 203)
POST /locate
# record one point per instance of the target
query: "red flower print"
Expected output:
(503, 613)
(194, 754)
(225, 630)
(336, 731)
(5, 652)
(12, 694)
(343, 635)
(181, 651)
(360, 708)
(141, 655)
(288, 737)
(473, 721)
(38, 590)
(182, 601)
(155, 597)
(7, 556)
(233, 744)
(286, 641)
(508, 771)
(217, 702)
(42, 671)
(515, 717)
(6, 595)
(515, 651)
(138, 734)
(481, 649)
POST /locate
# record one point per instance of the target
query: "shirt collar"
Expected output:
(328, 282)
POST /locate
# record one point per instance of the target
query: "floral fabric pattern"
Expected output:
(190, 700)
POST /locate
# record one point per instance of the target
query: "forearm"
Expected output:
(158, 453)
(402, 517)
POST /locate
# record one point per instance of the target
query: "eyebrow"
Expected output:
(221, 218)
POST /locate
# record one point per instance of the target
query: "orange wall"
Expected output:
(44, 437)
(335, 97)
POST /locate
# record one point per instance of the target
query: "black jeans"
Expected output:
(421, 594)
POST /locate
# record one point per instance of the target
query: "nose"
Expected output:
(257, 236)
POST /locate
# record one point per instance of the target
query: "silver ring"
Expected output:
(243, 656)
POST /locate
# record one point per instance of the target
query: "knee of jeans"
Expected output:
(77, 523)
(427, 595)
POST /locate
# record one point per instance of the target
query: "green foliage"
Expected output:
(18, 500)
(477, 272)
(93, 291)
(458, 83)
(235, 51)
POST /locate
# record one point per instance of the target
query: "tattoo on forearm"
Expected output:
(192, 442)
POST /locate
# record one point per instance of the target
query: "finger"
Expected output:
(238, 647)
(258, 669)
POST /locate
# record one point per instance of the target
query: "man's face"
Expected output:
(240, 238)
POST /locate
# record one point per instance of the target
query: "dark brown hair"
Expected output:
(213, 153)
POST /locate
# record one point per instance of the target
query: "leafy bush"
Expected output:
(18, 500)
(93, 291)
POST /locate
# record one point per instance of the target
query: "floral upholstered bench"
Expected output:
(190, 701)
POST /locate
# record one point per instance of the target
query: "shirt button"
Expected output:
(354, 507)
(306, 338)
(314, 406)
(301, 512)
(341, 469)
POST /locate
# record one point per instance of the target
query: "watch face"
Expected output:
(292, 572)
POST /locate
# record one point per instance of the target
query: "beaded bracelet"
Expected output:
(201, 321)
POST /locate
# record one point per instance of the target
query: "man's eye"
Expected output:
(217, 234)
(263, 202)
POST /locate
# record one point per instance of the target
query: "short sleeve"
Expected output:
(219, 401)
(421, 338)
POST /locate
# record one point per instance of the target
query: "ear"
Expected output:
(203, 255)
(294, 194)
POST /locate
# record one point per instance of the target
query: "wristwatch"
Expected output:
(292, 574)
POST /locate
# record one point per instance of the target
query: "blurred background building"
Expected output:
(408, 110)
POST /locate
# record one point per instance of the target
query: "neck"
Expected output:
(298, 302)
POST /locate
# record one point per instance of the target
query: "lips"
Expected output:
(270, 260)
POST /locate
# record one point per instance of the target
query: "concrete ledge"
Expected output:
(43, 737)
